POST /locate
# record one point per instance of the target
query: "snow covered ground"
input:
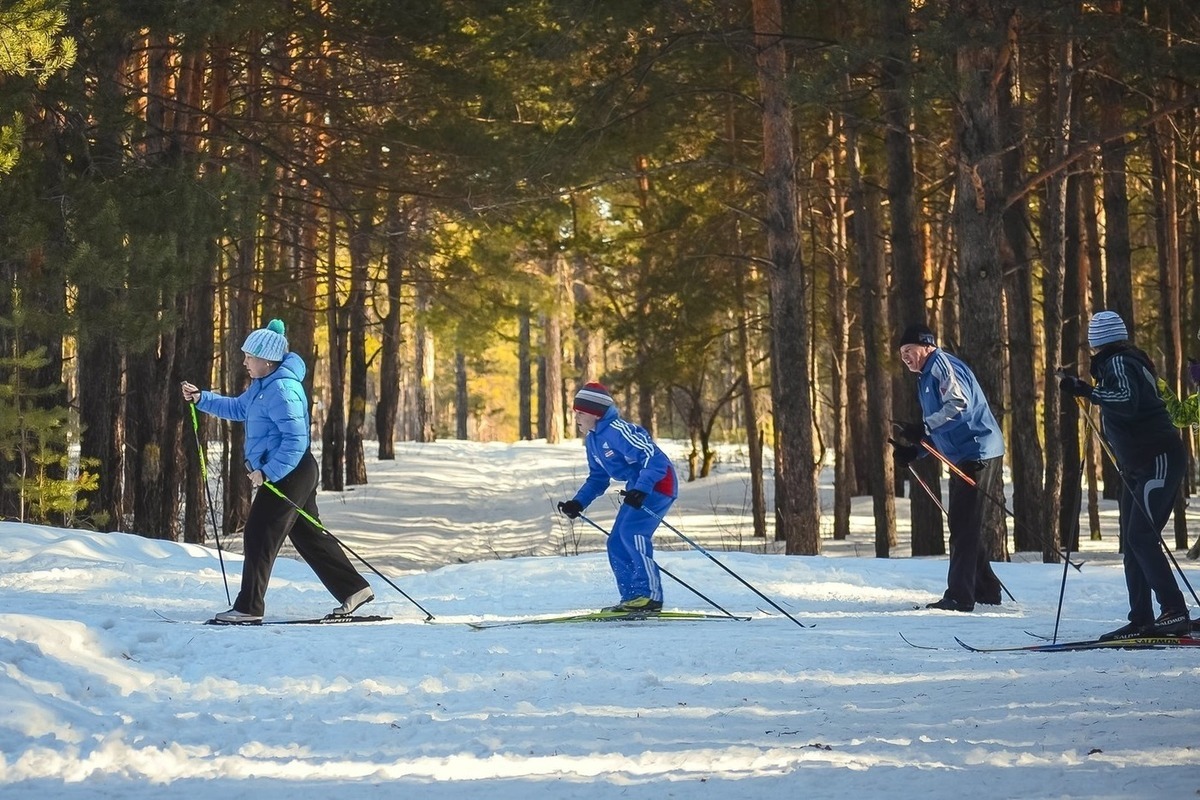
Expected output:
(100, 696)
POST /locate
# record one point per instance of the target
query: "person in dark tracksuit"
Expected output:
(960, 425)
(617, 448)
(1151, 459)
(275, 411)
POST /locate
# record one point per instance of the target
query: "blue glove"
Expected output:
(572, 508)
(634, 498)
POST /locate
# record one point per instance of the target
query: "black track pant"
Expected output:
(1146, 502)
(970, 578)
(272, 520)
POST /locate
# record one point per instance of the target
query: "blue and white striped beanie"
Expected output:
(1106, 327)
(267, 343)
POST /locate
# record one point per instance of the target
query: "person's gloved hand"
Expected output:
(1194, 371)
(1075, 387)
(912, 431)
(572, 508)
(634, 498)
(904, 454)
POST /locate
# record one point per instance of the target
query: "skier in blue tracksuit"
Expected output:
(275, 411)
(957, 419)
(617, 448)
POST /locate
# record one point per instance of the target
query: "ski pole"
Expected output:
(713, 559)
(317, 524)
(664, 571)
(212, 513)
(937, 502)
(1133, 497)
(1062, 588)
(1000, 503)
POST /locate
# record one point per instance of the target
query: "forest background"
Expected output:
(464, 209)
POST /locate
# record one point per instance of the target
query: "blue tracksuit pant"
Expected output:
(631, 551)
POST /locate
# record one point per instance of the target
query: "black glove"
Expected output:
(634, 498)
(904, 454)
(1075, 386)
(912, 431)
(572, 508)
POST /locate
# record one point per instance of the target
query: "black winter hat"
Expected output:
(917, 334)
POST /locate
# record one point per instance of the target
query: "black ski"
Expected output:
(1139, 643)
(331, 619)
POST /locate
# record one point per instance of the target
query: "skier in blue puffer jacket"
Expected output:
(617, 448)
(275, 411)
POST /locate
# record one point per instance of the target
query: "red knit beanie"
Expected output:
(593, 399)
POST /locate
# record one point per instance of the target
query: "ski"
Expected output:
(332, 619)
(911, 643)
(1139, 643)
(609, 616)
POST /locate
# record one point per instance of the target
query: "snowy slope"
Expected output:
(100, 696)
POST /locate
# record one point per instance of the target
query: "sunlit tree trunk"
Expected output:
(978, 213)
(863, 200)
(908, 269)
(798, 507)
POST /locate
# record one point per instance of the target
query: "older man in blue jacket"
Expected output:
(960, 424)
(617, 448)
(275, 411)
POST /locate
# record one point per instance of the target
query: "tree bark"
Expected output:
(798, 506)
(1058, 212)
(356, 302)
(333, 432)
(978, 215)
(1025, 452)
(874, 288)
(391, 333)
(908, 266)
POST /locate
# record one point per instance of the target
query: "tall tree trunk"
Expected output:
(874, 287)
(149, 438)
(908, 264)
(194, 364)
(425, 363)
(333, 433)
(1118, 250)
(839, 344)
(1166, 231)
(102, 403)
(798, 506)
(356, 418)
(1053, 289)
(391, 331)
(552, 350)
(1074, 297)
(754, 437)
(1025, 452)
(462, 399)
(978, 214)
(524, 376)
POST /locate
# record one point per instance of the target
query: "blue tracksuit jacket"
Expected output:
(956, 413)
(617, 448)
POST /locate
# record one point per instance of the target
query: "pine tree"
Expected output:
(34, 441)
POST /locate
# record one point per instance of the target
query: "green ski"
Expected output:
(609, 616)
